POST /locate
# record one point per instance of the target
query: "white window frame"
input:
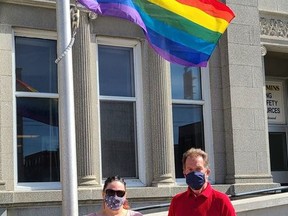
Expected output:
(207, 120)
(138, 99)
(29, 33)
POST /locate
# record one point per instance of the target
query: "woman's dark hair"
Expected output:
(113, 178)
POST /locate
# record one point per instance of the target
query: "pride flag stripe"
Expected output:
(157, 14)
(212, 7)
(193, 14)
(180, 37)
(181, 31)
(116, 9)
(182, 52)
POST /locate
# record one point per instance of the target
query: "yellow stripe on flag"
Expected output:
(193, 14)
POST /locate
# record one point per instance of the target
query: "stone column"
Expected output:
(6, 107)
(246, 139)
(161, 120)
(85, 108)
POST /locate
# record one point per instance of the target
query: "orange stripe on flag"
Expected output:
(211, 7)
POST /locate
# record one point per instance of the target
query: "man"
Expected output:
(200, 199)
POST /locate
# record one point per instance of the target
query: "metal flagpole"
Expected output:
(68, 164)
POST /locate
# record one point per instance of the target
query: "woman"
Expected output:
(114, 199)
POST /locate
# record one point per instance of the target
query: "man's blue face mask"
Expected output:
(195, 180)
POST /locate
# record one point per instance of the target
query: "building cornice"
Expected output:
(274, 25)
(272, 13)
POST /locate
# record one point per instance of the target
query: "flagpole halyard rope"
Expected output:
(75, 15)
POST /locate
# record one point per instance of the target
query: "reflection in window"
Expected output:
(278, 151)
(117, 111)
(118, 138)
(37, 140)
(35, 68)
(188, 126)
(37, 116)
(116, 71)
(187, 132)
(186, 82)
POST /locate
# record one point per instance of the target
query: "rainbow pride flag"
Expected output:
(185, 32)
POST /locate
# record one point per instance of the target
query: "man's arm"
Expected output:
(171, 208)
(227, 207)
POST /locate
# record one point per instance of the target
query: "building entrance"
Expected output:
(276, 72)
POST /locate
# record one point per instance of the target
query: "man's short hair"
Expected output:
(195, 152)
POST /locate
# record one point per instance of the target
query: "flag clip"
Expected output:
(75, 15)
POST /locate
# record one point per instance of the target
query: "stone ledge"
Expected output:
(262, 202)
(135, 194)
(252, 206)
(246, 187)
(34, 3)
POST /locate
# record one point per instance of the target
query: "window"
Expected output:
(278, 151)
(36, 110)
(119, 107)
(188, 108)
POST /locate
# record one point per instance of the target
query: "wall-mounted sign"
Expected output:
(275, 102)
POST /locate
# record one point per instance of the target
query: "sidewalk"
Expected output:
(267, 205)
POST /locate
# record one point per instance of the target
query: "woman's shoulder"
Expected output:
(93, 214)
(134, 213)
(130, 213)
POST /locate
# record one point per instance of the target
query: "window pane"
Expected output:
(278, 151)
(188, 132)
(116, 73)
(118, 141)
(37, 140)
(186, 82)
(36, 70)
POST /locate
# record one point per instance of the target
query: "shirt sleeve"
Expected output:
(135, 213)
(91, 214)
(171, 208)
(227, 207)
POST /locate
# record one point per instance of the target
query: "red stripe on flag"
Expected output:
(211, 7)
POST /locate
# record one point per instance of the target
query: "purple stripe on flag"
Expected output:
(123, 11)
(116, 10)
(174, 59)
